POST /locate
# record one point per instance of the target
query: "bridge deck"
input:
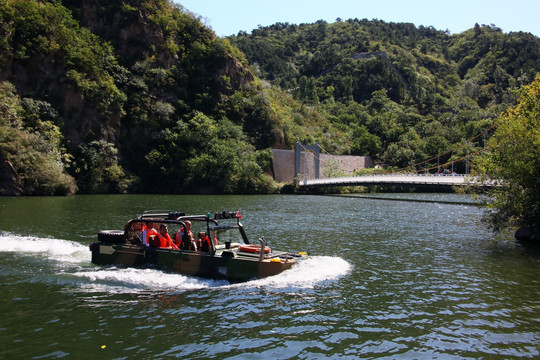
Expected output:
(401, 179)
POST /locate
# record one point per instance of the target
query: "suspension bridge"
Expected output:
(435, 173)
(426, 181)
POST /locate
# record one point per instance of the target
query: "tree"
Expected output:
(364, 143)
(307, 90)
(513, 159)
(31, 147)
(98, 170)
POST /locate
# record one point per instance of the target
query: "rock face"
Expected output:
(146, 38)
(135, 36)
(528, 234)
(240, 76)
(128, 28)
(9, 180)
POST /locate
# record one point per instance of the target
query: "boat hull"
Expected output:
(229, 265)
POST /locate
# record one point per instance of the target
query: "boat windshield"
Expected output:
(225, 234)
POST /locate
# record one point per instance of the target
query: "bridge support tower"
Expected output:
(298, 147)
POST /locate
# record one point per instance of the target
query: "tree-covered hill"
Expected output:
(132, 95)
(397, 92)
(352, 57)
(139, 96)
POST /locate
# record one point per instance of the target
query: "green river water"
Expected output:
(385, 279)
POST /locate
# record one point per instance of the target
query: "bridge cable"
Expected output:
(418, 164)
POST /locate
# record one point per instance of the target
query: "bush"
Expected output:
(513, 160)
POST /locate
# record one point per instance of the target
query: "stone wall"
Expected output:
(330, 165)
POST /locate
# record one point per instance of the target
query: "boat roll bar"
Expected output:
(227, 215)
(263, 247)
(170, 214)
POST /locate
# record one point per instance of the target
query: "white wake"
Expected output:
(76, 267)
(54, 249)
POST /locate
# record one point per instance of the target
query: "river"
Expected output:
(385, 279)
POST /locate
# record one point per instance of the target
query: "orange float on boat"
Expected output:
(256, 249)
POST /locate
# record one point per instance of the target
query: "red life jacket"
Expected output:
(163, 241)
(148, 232)
(206, 245)
(179, 235)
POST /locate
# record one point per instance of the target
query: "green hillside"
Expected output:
(139, 96)
(397, 92)
(129, 96)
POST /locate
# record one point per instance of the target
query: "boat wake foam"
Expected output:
(315, 270)
(307, 274)
(55, 249)
(78, 270)
(131, 279)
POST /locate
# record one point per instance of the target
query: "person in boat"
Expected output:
(132, 233)
(147, 231)
(163, 240)
(198, 242)
(180, 235)
(204, 242)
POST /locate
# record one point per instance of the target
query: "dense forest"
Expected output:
(140, 96)
(397, 92)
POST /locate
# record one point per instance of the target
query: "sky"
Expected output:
(228, 17)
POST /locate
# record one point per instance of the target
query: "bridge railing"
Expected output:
(401, 179)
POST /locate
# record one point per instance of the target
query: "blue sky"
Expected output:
(228, 17)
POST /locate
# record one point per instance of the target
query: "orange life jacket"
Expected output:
(179, 235)
(146, 233)
(206, 245)
(163, 241)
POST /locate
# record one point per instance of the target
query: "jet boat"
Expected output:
(229, 254)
